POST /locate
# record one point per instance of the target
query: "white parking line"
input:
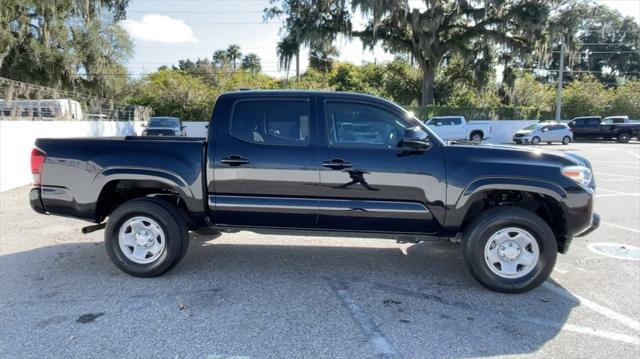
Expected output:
(618, 195)
(633, 154)
(621, 318)
(615, 175)
(630, 339)
(622, 227)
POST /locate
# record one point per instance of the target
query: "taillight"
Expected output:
(37, 162)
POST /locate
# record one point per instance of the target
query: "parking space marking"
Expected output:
(621, 227)
(633, 154)
(621, 318)
(380, 344)
(615, 175)
(586, 330)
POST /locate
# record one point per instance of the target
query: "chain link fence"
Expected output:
(30, 102)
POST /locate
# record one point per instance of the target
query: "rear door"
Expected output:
(367, 181)
(265, 163)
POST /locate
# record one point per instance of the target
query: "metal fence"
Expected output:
(29, 102)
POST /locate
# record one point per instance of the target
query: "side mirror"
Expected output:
(183, 127)
(416, 138)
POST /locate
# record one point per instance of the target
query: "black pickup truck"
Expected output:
(320, 163)
(619, 128)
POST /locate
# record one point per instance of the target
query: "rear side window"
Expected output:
(558, 127)
(593, 122)
(456, 121)
(271, 122)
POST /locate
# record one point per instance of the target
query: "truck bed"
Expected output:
(77, 171)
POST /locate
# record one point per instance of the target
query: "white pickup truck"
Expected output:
(457, 128)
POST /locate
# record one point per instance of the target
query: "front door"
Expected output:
(368, 182)
(265, 164)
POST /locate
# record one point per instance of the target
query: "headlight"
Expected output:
(580, 174)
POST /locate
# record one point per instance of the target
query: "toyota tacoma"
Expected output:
(319, 163)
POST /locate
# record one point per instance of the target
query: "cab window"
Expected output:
(271, 122)
(351, 124)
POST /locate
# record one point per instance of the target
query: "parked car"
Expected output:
(457, 128)
(320, 163)
(614, 127)
(544, 132)
(164, 126)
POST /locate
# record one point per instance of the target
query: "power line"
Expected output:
(191, 12)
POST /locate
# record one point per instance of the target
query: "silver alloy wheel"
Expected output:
(566, 140)
(535, 141)
(511, 253)
(624, 137)
(141, 240)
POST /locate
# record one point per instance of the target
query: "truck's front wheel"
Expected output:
(146, 237)
(509, 249)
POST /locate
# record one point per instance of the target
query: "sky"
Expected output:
(165, 31)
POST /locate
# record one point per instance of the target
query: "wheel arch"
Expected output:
(540, 197)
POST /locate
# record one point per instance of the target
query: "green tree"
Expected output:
(175, 93)
(626, 100)
(251, 62)
(402, 82)
(528, 92)
(311, 23)
(66, 44)
(450, 27)
(220, 59)
(585, 97)
(233, 54)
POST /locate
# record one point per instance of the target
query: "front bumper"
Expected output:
(520, 140)
(595, 223)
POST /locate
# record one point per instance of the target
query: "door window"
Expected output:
(271, 122)
(361, 125)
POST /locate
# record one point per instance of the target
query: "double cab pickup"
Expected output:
(320, 163)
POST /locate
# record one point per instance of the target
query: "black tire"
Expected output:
(476, 136)
(566, 140)
(624, 137)
(479, 232)
(167, 217)
(535, 140)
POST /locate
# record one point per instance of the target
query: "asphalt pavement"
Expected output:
(245, 295)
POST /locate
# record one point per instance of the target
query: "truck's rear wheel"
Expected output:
(146, 237)
(624, 137)
(476, 136)
(509, 249)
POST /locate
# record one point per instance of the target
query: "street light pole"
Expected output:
(560, 73)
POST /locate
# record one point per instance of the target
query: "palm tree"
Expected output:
(220, 58)
(287, 48)
(251, 62)
(233, 54)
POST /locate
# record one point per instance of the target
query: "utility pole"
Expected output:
(560, 73)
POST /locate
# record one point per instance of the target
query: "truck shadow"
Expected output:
(418, 298)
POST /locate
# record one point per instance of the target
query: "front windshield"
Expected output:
(164, 122)
(532, 127)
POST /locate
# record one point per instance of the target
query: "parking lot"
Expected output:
(244, 295)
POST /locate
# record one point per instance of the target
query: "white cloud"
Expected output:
(159, 28)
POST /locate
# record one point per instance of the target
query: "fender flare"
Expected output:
(510, 183)
(172, 180)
